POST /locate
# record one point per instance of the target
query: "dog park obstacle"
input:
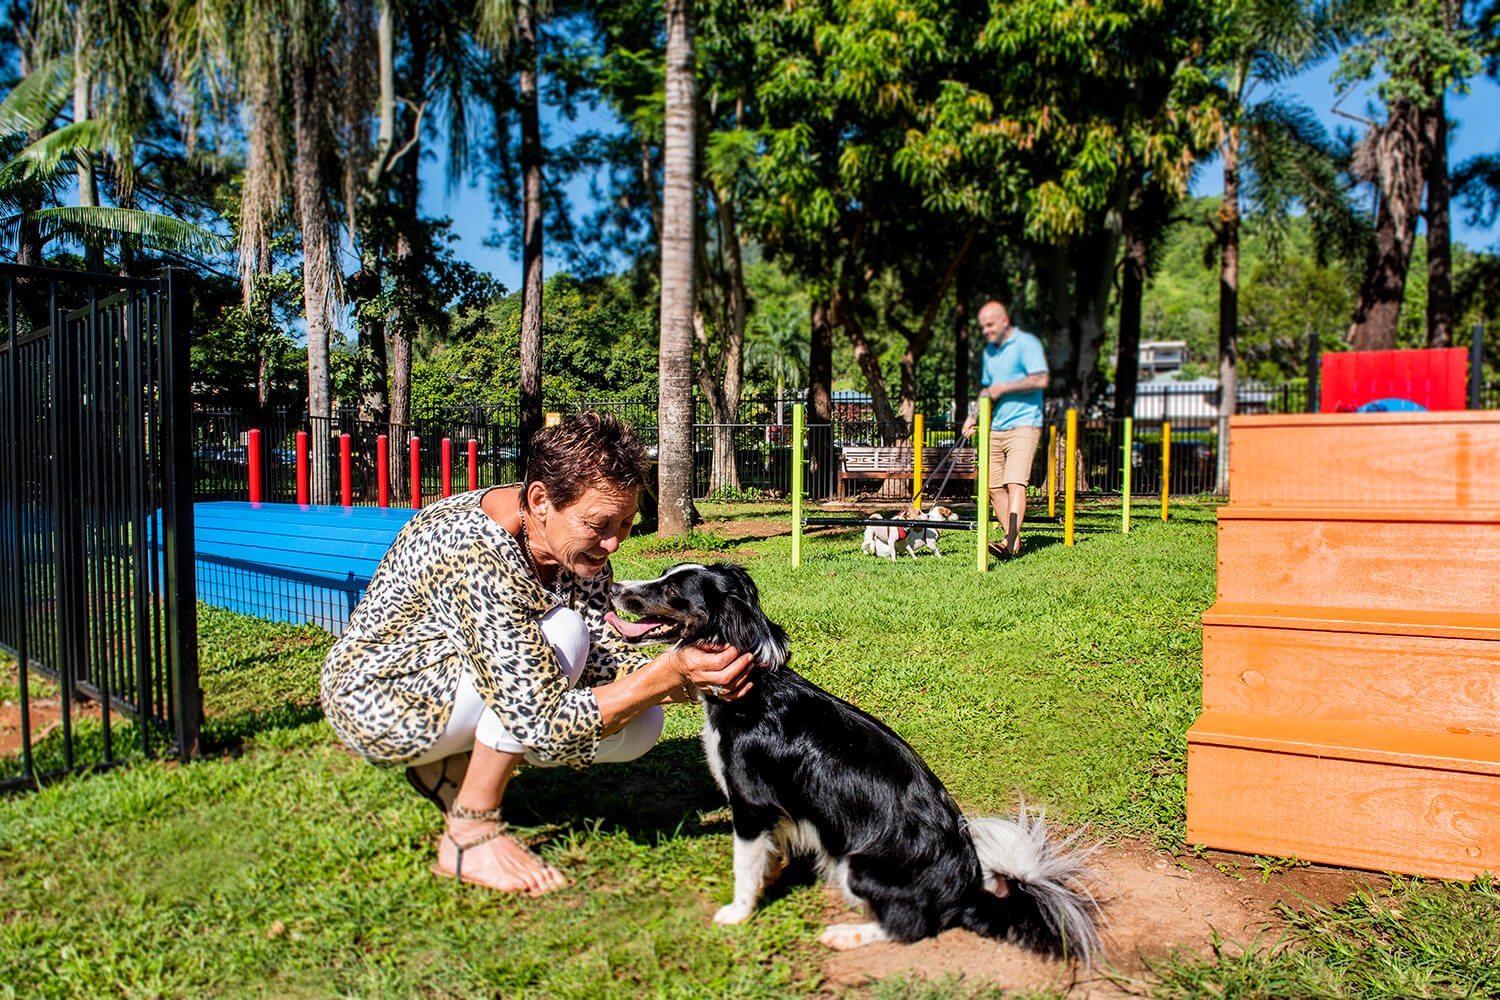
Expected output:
(289, 562)
(1351, 662)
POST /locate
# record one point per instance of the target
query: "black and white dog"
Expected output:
(809, 774)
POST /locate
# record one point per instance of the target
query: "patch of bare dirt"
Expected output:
(45, 716)
(1154, 904)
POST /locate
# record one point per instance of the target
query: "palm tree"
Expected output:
(780, 350)
(1420, 51)
(675, 386)
(1275, 152)
(510, 26)
(38, 160)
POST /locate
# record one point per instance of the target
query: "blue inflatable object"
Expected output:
(1392, 405)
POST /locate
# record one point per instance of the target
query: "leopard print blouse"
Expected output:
(456, 592)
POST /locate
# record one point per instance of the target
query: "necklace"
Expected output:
(536, 569)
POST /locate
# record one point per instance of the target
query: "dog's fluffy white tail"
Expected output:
(1055, 875)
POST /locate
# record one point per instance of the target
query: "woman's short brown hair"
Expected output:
(588, 450)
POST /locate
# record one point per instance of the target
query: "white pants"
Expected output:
(471, 721)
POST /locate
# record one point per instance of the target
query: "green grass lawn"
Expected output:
(282, 865)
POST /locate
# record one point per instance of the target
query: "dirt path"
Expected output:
(1153, 903)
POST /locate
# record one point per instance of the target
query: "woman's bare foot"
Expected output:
(480, 852)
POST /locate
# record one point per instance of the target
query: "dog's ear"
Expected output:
(745, 626)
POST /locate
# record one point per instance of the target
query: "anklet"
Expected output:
(456, 811)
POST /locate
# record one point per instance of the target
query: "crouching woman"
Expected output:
(482, 641)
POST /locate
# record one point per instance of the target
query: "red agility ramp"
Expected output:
(1434, 378)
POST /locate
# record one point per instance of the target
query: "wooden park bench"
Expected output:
(894, 462)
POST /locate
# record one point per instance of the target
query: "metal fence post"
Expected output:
(20, 640)
(177, 513)
(1314, 364)
(1476, 368)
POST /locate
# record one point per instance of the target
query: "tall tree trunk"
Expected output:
(88, 184)
(963, 361)
(260, 327)
(371, 358)
(842, 313)
(531, 232)
(28, 232)
(722, 382)
(675, 385)
(1228, 236)
(317, 263)
(917, 341)
(1078, 279)
(1132, 290)
(820, 461)
(1439, 230)
(1397, 156)
(399, 330)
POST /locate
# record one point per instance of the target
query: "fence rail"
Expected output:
(747, 458)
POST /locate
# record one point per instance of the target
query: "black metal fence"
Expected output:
(759, 441)
(97, 605)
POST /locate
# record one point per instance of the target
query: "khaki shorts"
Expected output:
(1011, 455)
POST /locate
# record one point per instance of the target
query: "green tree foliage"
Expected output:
(1287, 291)
(601, 341)
(1418, 51)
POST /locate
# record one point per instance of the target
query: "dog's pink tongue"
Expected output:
(630, 630)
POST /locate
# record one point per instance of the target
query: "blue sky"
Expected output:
(1477, 115)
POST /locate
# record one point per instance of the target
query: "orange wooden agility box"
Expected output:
(1351, 663)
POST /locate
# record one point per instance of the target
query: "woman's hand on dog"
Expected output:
(725, 673)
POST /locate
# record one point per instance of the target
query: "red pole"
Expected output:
(473, 464)
(302, 468)
(447, 467)
(416, 473)
(348, 487)
(253, 453)
(383, 469)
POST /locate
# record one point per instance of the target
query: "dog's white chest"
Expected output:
(712, 755)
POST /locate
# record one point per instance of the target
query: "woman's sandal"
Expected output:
(437, 781)
(457, 811)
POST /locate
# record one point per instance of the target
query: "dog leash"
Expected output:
(951, 459)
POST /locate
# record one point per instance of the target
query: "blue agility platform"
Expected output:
(290, 562)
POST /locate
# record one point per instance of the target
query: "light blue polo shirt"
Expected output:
(1019, 355)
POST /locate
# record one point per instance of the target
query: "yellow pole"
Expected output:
(1125, 473)
(982, 518)
(1166, 465)
(1052, 471)
(917, 440)
(1070, 474)
(797, 457)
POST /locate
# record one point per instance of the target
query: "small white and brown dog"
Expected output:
(889, 541)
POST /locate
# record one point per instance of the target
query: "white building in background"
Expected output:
(1184, 402)
(1161, 357)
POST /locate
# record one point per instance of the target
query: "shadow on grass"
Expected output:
(666, 793)
(226, 735)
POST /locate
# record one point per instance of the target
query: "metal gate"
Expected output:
(97, 599)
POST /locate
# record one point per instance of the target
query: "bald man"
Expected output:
(1013, 373)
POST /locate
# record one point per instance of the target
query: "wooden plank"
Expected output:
(1437, 823)
(1439, 683)
(1360, 564)
(1389, 513)
(1366, 621)
(1477, 753)
(1412, 460)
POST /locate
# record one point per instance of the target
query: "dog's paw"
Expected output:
(734, 913)
(843, 937)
